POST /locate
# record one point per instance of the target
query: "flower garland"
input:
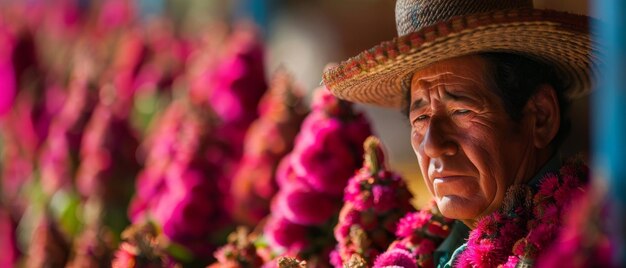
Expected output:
(526, 224)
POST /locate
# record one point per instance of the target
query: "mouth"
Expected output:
(457, 185)
(446, 179)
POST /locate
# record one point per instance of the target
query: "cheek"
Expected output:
(485, 156)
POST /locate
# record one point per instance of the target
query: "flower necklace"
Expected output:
(527, 223)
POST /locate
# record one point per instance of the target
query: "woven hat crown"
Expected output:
(412, 15)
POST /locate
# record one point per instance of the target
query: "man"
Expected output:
(486, 85)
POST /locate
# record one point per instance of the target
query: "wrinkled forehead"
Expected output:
(461, 71)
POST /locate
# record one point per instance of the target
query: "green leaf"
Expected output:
(179, 252)
(66, 208)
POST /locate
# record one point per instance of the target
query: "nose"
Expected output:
(438, 140)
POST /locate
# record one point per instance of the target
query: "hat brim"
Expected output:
(377, 76)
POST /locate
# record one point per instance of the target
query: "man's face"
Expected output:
(468, 148)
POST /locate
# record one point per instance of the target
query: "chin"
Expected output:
(459, 208)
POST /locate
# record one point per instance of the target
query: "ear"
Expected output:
(544, 107)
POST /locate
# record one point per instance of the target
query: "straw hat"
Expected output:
(434, 30)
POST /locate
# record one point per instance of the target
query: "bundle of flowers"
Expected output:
(312, 177)
(268, 140)
(230, 83)
(185, 187)
(418, 235)
(178, 187)
(375, 199)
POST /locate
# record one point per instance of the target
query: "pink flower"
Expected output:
(412, 222)
(285, 174)
(384, 198)
(186, 209)
(8, 86)
(239, 81)
(520, 247)
(335, 259)
(396, 258)
(323, 100)
(349, 215)
(341, 232)
(283, 233)
(549, 184)
(125, 257)
(321, 158)
(550, 214)
(511, 262)
(356, 194)
(150, 188)
(542, 235)
(570, 189)
(305, 206)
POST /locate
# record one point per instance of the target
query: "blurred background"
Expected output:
(71, 58)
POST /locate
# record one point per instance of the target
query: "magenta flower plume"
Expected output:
(312, 177)
(375, 199)
(179, 188)
(267, 141)
(239, 83)
(396, 258)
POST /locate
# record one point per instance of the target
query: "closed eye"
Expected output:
(420, 121)
(421, 117)
(461, 111)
